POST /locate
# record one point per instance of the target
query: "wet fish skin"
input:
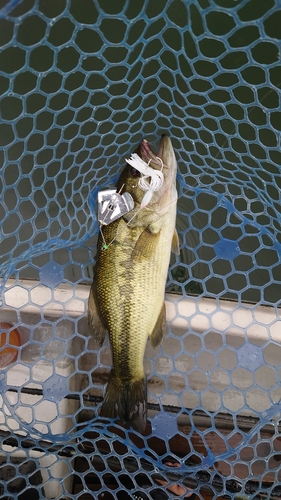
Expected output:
(127, 295)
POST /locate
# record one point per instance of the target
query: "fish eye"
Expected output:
(135, 172)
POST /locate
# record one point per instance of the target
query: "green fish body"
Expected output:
(127, 295)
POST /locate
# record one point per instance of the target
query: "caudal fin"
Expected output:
(126, 400)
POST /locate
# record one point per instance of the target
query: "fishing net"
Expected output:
(81, 83)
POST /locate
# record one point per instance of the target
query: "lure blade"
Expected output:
(112, 205)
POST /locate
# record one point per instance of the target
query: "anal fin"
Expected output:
(159, 329)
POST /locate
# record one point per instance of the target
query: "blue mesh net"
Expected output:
(81, 83)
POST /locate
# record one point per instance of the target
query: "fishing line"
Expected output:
(157, 217)
(106, 245)
(260, 195)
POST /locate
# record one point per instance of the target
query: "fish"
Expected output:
(127, 296)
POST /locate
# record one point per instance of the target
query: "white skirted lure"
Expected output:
(156, 177)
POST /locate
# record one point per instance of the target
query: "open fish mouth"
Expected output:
(159, 160)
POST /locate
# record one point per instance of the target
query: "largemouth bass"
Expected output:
(127, 294)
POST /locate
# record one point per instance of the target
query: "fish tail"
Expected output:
(126, 400)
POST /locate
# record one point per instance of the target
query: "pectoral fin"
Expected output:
(176, 243)
(159, 329)
(96, 326)
(145, 246)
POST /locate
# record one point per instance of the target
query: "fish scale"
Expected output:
(130, 313)
(127, 295)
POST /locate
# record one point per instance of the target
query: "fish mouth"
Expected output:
(165, 157)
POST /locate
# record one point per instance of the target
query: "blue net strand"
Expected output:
(81, 84)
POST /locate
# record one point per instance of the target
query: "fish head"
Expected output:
(164, 161)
